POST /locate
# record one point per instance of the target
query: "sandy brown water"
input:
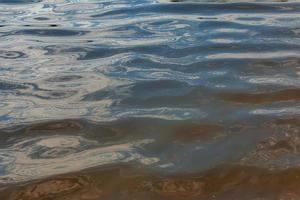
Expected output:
(224, 182)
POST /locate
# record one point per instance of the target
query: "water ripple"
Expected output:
(181, 87)
(39, 157)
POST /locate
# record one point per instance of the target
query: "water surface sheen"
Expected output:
(149, 99)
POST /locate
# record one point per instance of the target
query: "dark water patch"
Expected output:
(41, 18)
(11, 54)
(66, 125)
(11, 86)
(293, 122)
(263, 97)
(281, 32)
(204, 9)
(184, 99)
(98, 95)
(59, 94)
(251, 18)
(50, 32)
(163, 92)
(193, 131)
(216, 71)
(102, 132)
(95, 53)
(208, 18)
(52, 94)
(159, 87)
(65, 78)
(84, 53)
(148, 93)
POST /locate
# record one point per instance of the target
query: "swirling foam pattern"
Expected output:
(149, 99)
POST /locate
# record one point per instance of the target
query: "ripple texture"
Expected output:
(199, 99)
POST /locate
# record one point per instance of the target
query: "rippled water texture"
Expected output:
(149, 99)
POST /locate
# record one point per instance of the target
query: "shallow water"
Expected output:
(149, 99)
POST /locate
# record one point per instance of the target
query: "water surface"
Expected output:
(149, 99)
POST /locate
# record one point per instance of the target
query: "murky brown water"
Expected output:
(123, 182)
(148, 99)
(153, 159)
